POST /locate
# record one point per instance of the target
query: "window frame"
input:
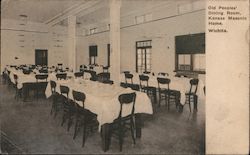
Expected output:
(191, 53)
(145, 44)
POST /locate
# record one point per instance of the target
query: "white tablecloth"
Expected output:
(181, 84)
(102, 99)
(30, 78)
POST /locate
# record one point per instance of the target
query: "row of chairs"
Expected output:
(165, 93)
(39, 86)
(88, 120)
(84, 67)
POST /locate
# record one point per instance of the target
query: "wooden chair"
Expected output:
(122, 124)
(103, 77)
(191, 96)
(151, 91)
(135, 87)
(166, 93)
(57, 100)
(26, 71)
(128, 79)
(83, 116)
(68, 106)
(18, 91)
(61, 76)
(78, 74)
(94, 77)
(41, 84)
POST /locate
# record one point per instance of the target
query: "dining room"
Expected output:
(103, 76)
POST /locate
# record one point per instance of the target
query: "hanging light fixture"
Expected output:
(23, 19)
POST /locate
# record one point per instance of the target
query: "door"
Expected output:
(41, 57)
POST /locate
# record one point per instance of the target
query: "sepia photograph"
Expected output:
(119, 76)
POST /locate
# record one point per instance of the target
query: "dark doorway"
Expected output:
(108, 48)
(41, 57)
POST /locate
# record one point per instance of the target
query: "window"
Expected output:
(143, 56)
(190, 53)
(92, 54)
(139, 19)
(143, 18)
(199, 62)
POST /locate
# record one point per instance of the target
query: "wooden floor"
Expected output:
(31, 128)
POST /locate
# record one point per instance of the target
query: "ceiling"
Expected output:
(44, 11)
(131, 6)
(36, 10)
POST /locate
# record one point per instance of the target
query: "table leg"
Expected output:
(24, 92)
(105, 134)
(138, 124)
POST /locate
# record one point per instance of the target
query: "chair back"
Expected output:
(135, 87)
(64, 90)
(126, 72)
(41, 77)
(26, 71)
(85, 67)
(93, 75)
(163, 81)
(105, 76)
(78, 74)
(108, 82)
(193, 85)
(61, 76)
(43, 70)
(146, 72)
(53, 86)
(128, 76)
(91, 67)
(143, 80)
(127, 99)
(79, 96)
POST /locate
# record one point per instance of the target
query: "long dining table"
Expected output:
(25, 82)
(102, 99)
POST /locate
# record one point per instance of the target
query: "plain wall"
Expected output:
(35, 37)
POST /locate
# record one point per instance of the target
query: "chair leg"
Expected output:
(159, 99)
(69, 122)
(56, 110)
(37, 94)
(189, 104)
(120, 136)
(132, 129)
(63, 119)
(52, 108)
(154, 94)
(84, 132)
(195, 103)
(168, 102)
(76, 127)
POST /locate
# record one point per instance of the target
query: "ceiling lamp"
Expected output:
(23, 19)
